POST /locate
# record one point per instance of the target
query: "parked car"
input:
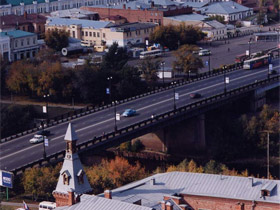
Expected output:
(195, 95)
(129, 112)
(44, 132)
(36, 139)
(197, 51)
(204, 52)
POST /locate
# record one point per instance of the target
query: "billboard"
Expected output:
(6, 179)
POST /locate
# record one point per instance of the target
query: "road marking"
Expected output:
(105, 121)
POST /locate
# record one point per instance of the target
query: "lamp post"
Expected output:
(115, 117)
(162, 64)
(225, 83)
(249, 47)
(110, 86)
(174, 95)
(47, 112)
(189, 75)
(44, 148)
(209, 63)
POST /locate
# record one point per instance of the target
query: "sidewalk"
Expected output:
(20, 205)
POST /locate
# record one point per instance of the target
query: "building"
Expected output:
(86, 30)
(33, 23)
(230, 10)
(23, 44)
(128, 34)
(75, 13)
(72, 181)
(214, 30)
(5, 48)
(139, 11)
(18, 7)
(194, 19)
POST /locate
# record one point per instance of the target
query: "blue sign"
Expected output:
(206, 63)
(108, 91)
(7, 179)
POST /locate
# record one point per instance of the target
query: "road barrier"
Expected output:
(141, 127)
(91, 109)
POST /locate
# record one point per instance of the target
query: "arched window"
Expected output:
(66, 177)
(80, 176)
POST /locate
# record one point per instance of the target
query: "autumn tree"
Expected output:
(149, 70)
(56, 39)
(186, 61)
(113, 173)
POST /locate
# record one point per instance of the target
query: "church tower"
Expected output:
(72, 180)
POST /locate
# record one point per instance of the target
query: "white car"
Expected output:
(36, 139)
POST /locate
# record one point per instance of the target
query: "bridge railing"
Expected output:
(92, 109)
(101, 140)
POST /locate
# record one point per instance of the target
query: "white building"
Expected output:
(214, 30)
(46, 6)
(23, 44)
(5, 48)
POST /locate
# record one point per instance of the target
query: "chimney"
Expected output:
(124, 6)
(251, 180)
(108, 194)
(152, 181)
(169, 206)
(25, 15)
(184, 206)
(71, 198)
(162, 203)
(152, 4)
(176, 199)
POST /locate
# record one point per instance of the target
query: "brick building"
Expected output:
(33, 23)
(153, 14)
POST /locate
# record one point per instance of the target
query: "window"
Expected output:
(16, 43)
(104, 35)
(22, 42)
(83, 33)
(34, 40)
(86, 33)
(65, 179)
(98, 35)
(90, 33)
(73, 34)
(28, 41)
(80, 176)
(94, 34)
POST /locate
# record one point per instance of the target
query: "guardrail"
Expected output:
(92, 109)
(140, 127)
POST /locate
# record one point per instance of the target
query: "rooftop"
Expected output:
(16, 33)
(215, 24)
(132, 26)
(85, 23)
(189, 17)
(225, 7)
(8, 21)
(72, 13)
(17, 2)
(229, 187)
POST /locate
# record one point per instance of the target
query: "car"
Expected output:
(129, 112)
(273, 71)
(195, 95)
(204, 52)
(44, 132)
(197, 51)
(37, 139)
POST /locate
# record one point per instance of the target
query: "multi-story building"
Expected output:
(99, 33)
(33, 23)
(214, 30)
(5, 48)
(75, 13)
(18, 7)
(23, 44)
(86, 30)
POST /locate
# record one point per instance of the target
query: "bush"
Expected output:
(137, 146)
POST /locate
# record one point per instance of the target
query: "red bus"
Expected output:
(256, 62)
(241, 58)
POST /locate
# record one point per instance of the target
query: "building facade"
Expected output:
(18, 7)
(214, 30)
(23, 44)
(5, 49)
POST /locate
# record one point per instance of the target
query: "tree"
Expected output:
(189, 34)
(187, 61)
(218, 18)
(149, 70)
(56, 39)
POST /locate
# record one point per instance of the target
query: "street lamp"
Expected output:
(267, 150)
(249, 47)
(162, 64)
(225, 79)
(110, 86)
(115, 112)
(189, 75)
(209, 63)
(47, 112)
(174, 94)
(44, 148)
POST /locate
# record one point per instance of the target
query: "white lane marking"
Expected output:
(249, 75)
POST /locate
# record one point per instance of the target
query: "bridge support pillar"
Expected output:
(258, 100)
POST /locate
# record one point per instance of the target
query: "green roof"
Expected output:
(17, 2)
(16, 33)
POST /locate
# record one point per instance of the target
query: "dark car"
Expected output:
(195, 95)
(44, 132)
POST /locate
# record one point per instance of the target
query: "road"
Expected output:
(19, 151)
(220, 54)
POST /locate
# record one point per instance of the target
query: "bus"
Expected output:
(256, 62)
(241, 58)
(151, 53)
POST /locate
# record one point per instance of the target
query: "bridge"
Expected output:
(17, 153)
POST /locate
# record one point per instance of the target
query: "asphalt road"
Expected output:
(19, 151)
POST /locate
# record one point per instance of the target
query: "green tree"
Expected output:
(187, 61)
(218, 18)
(212, 167)
(56, 39)
(189, 34)
(149, 70)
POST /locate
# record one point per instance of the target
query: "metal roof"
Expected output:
(225, 7)
(91, 202)
(85, 23)
(210, 185)
(26, 2)
(70, 133)
(215, 24)
(189, 17)
(17, 33)
(72, 13)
